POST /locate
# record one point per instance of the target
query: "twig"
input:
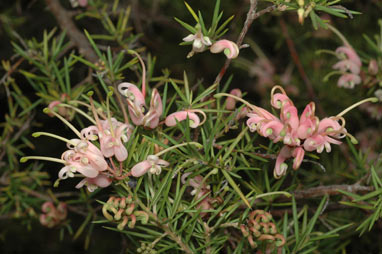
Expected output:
(251, 16)
(248, 22)
(330, 190)
(300, 68)
(63, 18)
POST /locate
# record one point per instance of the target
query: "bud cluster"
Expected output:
(260, 228)
(123, 211)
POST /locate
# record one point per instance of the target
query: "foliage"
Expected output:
(173, 161)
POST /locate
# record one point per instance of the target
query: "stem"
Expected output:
(248, 22)
(37, 134)
(371, 99)
(165, 227)
(143, 72)
(78, 111)
(338, 33)
(26, 158)
(176, 146)
(46, 110)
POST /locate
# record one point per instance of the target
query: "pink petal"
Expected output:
(279, 100)
(280, 168)
(349, 80)
(181, 116)
(132, 92)
(231, 102)
(120, 152)
(101, 181)
(350, 53)
(141, 168)
(345, 65)
(230, 48)
(298, 154)
(156, 102)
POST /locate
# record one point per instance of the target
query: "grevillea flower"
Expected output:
(112, 134)
(101, 180)
(152, 164)
(349, 80)
(138, 111)
(230, 49)
(83, 157)
(231, 102)
(350, 66)
(199, 42)
(194, 120)
(299, 134)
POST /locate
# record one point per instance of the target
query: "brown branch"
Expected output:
(248, 22)
(300, 68)
(64, 19)
(330, 190)
(251, 16)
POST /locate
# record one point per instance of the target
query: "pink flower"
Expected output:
(112, 134)
(350, 53)
(352, 63)
(85, 158)
(231, 102)
(349, 80)
(231, 50)
(138, 111)
(329, 130)
(152, 164)
(179, 116)
(299, 134)
(92, 184)
(199, 42)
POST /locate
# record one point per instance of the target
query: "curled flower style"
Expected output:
(199, 42)
(152, 164)
(230, 49)
(299, 134)
(194, 120)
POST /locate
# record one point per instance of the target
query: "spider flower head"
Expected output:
(298, 133)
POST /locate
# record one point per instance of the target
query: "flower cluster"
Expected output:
(261, 227)
(299, 134)
(52, 216)
(124, 212)
(349, 65)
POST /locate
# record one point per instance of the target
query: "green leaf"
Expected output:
(192, 12)
(187, 26)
